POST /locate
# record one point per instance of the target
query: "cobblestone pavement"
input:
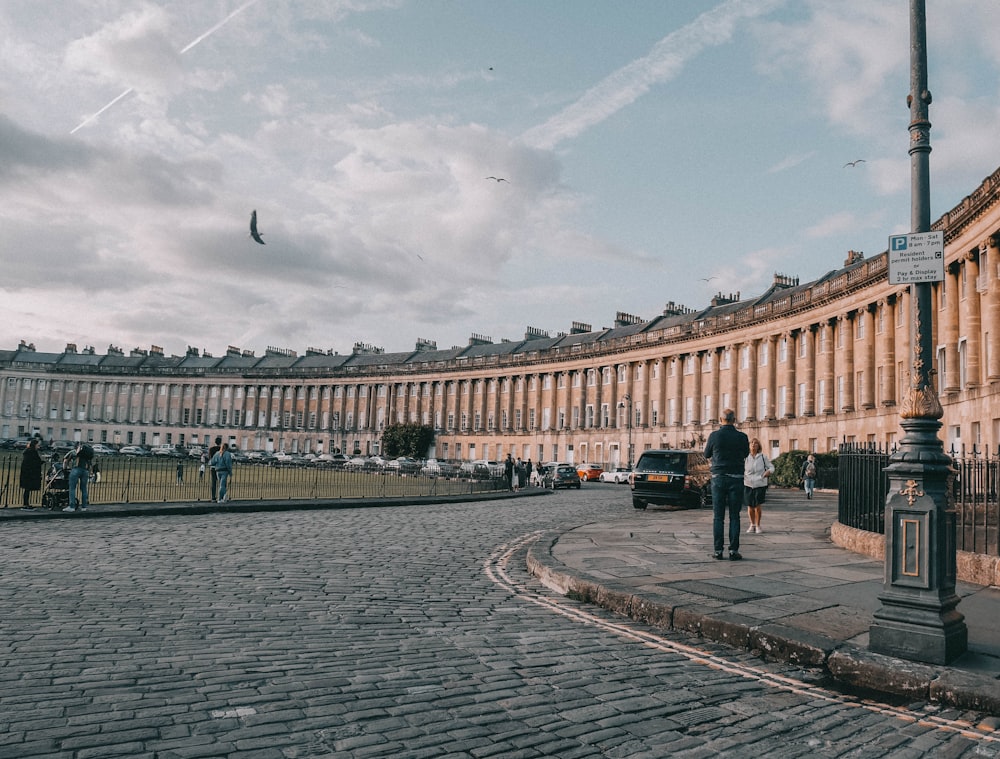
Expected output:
(403, 632)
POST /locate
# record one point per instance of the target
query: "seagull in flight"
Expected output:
(497, 179)
(707, 279)
(253, 228)
(854, 163)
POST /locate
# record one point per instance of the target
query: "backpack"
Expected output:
(811, 470)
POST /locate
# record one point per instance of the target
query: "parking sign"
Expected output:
(916, 257)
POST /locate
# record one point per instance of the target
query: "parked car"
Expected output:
(287, 459)
(538, 473)
(589, 471)
(619, 475)
(403, 465)
(438, 468)
(359, 464)
(331, 460)
(133, 450)
(167, 450)
(561, 476)
(100, 449)
(666, 477)
(195, 451)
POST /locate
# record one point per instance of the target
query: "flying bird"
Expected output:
(854, 163)
(497, 179)
(707, 279)
(253, 228)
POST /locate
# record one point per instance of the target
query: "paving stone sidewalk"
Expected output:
(795, 596)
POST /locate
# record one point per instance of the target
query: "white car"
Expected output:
(618, 475)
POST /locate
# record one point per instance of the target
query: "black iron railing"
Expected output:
(863, 488)
(157, 480)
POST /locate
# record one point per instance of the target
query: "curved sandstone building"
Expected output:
(806, 366)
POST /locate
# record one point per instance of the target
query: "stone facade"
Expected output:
(806, 366)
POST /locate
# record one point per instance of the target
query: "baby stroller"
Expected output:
(55, 495)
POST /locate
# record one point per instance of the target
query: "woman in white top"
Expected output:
(756, 470)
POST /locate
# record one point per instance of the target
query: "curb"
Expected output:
(844, 663)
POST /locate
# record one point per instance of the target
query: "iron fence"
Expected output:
(124, 479)
(863, 488)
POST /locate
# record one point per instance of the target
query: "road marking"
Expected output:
(495, 568)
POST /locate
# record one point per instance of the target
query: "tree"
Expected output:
(410, 439)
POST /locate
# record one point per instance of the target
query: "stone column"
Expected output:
(847, 328)
(948, 331)
(887, 351)
(753, 413)
(696, 391)
(867, 357)
(809, 338)
(829, 353)
(989, 251)
(771, 378)
(972, 320)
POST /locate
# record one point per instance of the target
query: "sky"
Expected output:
(652, 152)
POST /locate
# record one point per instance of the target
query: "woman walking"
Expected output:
(756, 471)
(222, 465)
(31, 471)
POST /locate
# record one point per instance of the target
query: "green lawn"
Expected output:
(155, 480)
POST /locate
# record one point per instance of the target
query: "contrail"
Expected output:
(664, 62)
(183, 50)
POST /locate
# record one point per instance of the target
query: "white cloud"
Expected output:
(664, 62)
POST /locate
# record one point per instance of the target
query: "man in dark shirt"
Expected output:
(727, 449)
(215, 477)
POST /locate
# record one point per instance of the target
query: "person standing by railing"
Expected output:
(222, 465)
(79, 461)
(211, 457)
(31, 471)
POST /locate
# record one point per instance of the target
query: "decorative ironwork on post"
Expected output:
(918, 619)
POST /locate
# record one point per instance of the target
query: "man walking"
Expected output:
(727, 449)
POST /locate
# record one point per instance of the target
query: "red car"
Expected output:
(589, 471)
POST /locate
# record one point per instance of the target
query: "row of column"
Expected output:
(836, 365)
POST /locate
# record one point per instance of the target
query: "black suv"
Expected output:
(671, 478)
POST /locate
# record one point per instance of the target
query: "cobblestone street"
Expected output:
(376, 632)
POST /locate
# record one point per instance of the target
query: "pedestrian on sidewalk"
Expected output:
(180, 472)
(757, 470)
(79, 461)
(31, 471)
(222, 465)
(809, 475)
(727, 449)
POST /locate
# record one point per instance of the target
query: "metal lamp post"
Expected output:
(626, 403)
(918, 619)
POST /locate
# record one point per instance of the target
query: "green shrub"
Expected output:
(788, 469)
